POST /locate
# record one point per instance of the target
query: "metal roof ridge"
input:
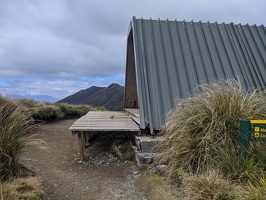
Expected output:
(192, 21)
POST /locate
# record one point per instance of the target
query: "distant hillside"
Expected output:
(79, 96)
(110, 97)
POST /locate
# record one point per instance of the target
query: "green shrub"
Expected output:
(44, 111)
(74, 111)
(47, 112)
(51, 112)
(15, 125)
(200, 127)
(213, 186)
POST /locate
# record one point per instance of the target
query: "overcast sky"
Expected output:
(57, 47)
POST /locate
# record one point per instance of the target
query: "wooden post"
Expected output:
(81, 147)
(84, 140)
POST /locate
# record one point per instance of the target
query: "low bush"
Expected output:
(74, 111)
(46, 112)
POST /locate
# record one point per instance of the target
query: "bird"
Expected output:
(112, 117)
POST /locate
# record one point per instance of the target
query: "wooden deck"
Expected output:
(101, 121)
(105, 121)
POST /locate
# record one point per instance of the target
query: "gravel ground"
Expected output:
(102, 176)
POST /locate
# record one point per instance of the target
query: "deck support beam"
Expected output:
(82, 143)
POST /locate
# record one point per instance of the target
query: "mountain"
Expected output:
(43, 98)
(111, 97)
(79, 96)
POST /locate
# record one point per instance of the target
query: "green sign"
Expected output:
(258, 130)
(251, 130)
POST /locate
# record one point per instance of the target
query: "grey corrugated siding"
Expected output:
(173, 57)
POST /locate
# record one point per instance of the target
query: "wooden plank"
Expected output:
(106, 124)
(108, 130)
(105, 121)
(89, 128)
(101, 124)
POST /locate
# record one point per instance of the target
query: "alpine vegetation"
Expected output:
(15, 126)
(202, 135)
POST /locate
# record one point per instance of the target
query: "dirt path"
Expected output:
(64, 177)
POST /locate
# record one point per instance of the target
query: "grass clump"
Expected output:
(29, 103)
(47, 112)
(233, 165)
(15, 126)
(211, 185)
(202, 139)
(202, 127)
(73, 111)
(257, 188)
(44, 111)
(22, 188)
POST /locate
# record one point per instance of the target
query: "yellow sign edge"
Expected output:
(255, 121)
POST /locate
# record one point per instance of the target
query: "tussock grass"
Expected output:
(73, 111)
(237, 168)
(202, 127)
(213, 186)
(29, 103)
(47, 112)
(201, 146)
(15, 126)
(257, 188)
(22, 188)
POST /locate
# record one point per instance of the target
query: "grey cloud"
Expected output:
(66, 39)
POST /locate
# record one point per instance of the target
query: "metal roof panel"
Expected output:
(173, 57)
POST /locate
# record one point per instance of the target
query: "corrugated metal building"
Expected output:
(167, 60)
